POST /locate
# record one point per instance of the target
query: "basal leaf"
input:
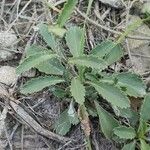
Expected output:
(114, 55)
(124, 132)
(132, 83)
(144, 145)
(56, 30)
(33, 61)
(66, 12)
(130, 146)
(145, 108)
(102, 49)
(35, 49)
(107, 121)
(75, 41)
(62, 125)
(112, 94)
(37, 84)
(109, 51)
(47, 36)
(64, 122)
(52, 66)
(89, 61)
(77, 90)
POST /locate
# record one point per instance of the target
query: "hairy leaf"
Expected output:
(75, 41)
(47, 36)
(145, 108)
(52, 66)
(114, 55)
(66, 12)
(144, 145)
(35, 49)
(107, 121)
(37, 84)
(130, 146)
(33, 61)
(132, 83)
(78, 90)
(62, 125)
(58, 31)
(124, 132)
(102, 49)
(64, 122)
(89, 61)
(110, 51)
(112, 94)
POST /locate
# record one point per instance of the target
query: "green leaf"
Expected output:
(89, 61)
(114, 55)
(33, 61)
(52, 66)
(47, 36)
(130, 146)
(66, 12)
(75, 41)
(62, 125)
(145, 108)
(58, 31)
(142, 128)
(132, 83)
(110, 51)
(144, 145)
(73, 117)
(77, 90)
(107, 121)
(58, 92)
(102, 49)
(64, 122)
(124, 132)
(37, 84)
(112, 94)
(35, 49)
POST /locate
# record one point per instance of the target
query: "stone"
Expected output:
(7, 40)
(8, 75)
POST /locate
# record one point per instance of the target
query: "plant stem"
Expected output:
(88, 147)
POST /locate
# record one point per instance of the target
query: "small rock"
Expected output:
(139, 49)
(113, 3)
(7, 40)
(31, 73)
(8, 75)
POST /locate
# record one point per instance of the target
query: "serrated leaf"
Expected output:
(107, 121)
(145, 108)
(89, 61)
(130, 146)
(144, 145)
(73, 117)
(35, 49)
(77, 90)
(132, 83)
(63, 124)
(47, 36)
(110, 51)
(56, 30)
(102, 49)
(66, 12)
(142, 128)
(33, 61)
(52, 66)
(75, 41)
(124, 132)
(37, 84)
(114, 55)
(112, 94)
